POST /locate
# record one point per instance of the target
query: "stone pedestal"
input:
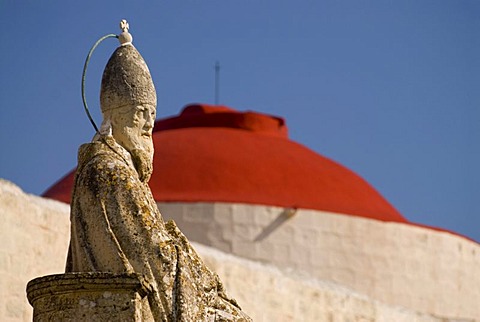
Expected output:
(89, 297)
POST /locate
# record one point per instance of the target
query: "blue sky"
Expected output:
(387, 88)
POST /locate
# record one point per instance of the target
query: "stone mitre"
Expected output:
(126, 80)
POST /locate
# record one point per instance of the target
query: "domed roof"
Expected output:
(216, 154)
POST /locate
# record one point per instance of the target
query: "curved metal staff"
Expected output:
(84, 74)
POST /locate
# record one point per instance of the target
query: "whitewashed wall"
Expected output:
(34, 236)
(270, 294)
(417, 268)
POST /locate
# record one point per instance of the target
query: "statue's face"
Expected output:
(132, 126)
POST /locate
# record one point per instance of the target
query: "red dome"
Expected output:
(212, 154)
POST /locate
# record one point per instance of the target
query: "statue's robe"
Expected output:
(116, 227)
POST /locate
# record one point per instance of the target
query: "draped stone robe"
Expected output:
(116, 227)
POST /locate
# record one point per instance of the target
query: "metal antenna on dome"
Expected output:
(217, 82)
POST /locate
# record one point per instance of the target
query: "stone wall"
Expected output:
(268, 293)
(417, 268)
(34, 237)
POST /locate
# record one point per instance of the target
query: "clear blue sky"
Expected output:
(389, 89)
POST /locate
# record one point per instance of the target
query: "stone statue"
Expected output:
(115, 223)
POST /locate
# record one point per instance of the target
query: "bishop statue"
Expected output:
(115, 223)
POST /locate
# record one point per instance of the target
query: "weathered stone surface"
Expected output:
(115, 224)
(90, 297)
(126, 80)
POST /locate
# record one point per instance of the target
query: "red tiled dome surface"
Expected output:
(213, 153)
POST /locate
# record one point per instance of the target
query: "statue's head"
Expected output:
(128, 102)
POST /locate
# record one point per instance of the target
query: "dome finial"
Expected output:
(125, 37)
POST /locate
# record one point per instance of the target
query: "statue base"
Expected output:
(90, 297)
